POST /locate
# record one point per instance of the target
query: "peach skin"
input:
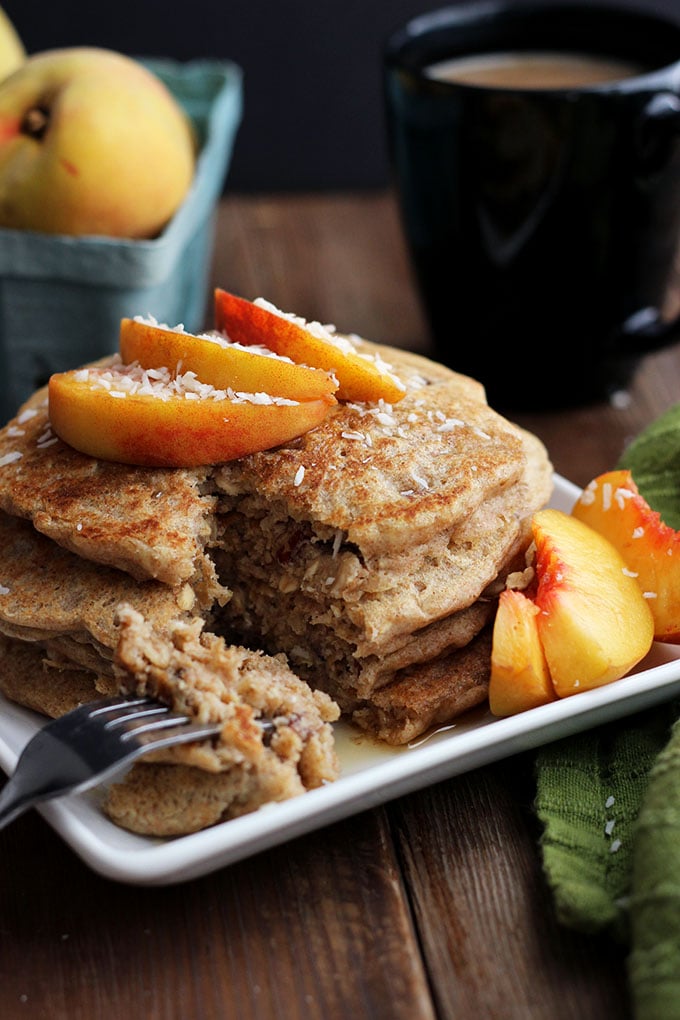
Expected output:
(170, 429)
(613, 506)
(255, 322)
(221, 364)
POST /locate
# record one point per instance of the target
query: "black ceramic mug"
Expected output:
(542, 215)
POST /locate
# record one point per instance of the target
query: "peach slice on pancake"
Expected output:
(258, 322)
(220, 363)
(613, 505)
(156, 419)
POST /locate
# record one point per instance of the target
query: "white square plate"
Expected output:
(371, 773)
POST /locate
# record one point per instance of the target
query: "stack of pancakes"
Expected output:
(370, 552)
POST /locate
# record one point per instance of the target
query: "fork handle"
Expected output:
(12, 803)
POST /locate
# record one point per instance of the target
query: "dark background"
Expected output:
(312, 80)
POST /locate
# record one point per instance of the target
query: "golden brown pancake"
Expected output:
(370, 551)
(428, 694)
(50, 595)
(183, 789)
(152, 523)
(379, 540)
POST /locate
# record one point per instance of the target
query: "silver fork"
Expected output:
(83, 748)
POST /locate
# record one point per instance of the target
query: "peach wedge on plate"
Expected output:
(116, 414)
(219, 363)
(520, 678)
(257, 322)
(613, 506)
(591, 620)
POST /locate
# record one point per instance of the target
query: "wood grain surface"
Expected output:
(432, 906)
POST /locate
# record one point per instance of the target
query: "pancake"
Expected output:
(370, 551)
(379, 540)
(430, 694)
(150, 523)
(50, 595)
(182, 789)
(29, 678)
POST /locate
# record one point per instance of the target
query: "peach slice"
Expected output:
(594, 623)
(222, 365)
(520, 678)
(613, 505)
(109, 414)
(255, 322)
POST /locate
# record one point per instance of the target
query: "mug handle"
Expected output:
(645, 331)
(659, 126)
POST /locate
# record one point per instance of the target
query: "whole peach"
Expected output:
(91, 142)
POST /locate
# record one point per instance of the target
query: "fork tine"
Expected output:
(177, 732)
(119, 701)
(124, 717)
(146, 724)
(114, 713)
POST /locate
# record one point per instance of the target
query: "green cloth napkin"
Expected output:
(654, 461)
(609, 799)
(654, 963)
(589, 789)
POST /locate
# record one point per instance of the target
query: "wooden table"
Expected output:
(433, 905)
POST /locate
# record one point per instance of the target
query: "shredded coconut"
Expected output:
(220, 339)
(419, 480)
(328, 334)
(26, 415)
(11, 458)
(162, 383)
(48, 438)
(607, 496)
(337, 542)
(299, 475)
(588, 495)
(449, 424)
(621, 495)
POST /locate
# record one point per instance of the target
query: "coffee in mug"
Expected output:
(539, 190)
(540, 70)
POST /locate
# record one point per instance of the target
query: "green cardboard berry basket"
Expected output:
(62, 298)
